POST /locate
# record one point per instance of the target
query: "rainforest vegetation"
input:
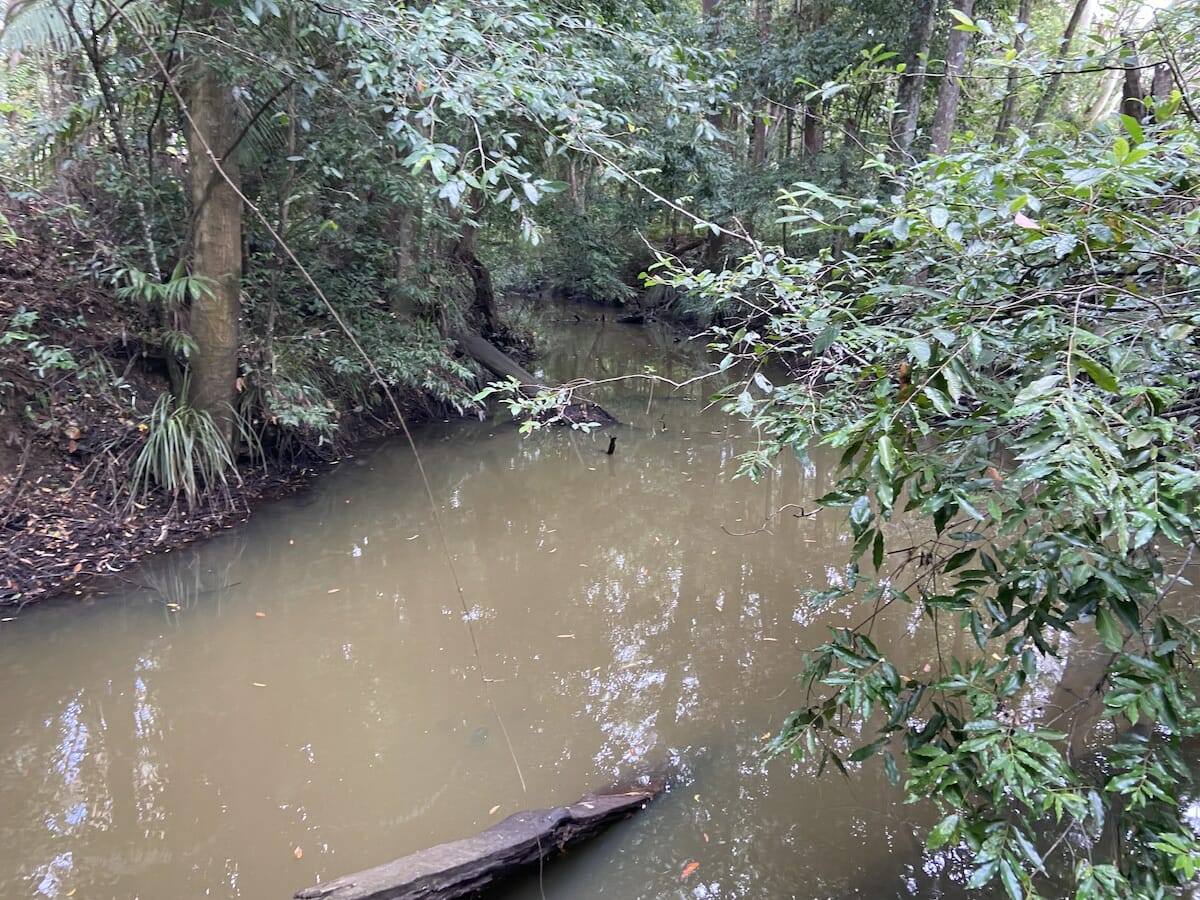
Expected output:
(954, 241)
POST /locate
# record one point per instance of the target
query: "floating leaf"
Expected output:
(297, 853)
(688, 870)
(492, 811)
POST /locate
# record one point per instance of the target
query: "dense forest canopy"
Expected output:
(956, 242)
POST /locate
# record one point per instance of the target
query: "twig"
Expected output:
(766, 522)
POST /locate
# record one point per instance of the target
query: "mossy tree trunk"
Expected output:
(216, 242)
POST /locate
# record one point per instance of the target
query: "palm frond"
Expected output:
(38, 25)
(45, 24)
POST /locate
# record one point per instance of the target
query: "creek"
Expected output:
(300, 698)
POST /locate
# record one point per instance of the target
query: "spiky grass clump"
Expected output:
(184, 454)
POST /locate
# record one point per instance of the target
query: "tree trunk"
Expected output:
(91, 43)
(950, 89)
(484, 303)
(1064, 49)
(1132, 102)
(217, 245)
(912, 83)
(1008, 109)
(758, 135)
(407, 228)
(1164, 81)
(814, 130)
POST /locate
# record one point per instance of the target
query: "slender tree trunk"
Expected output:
(814, 130)
(1008, 109)
(758, 136)
(285, 199)
(950, 88)
(1132, 97)
(1064, 49)
(1164, 81)
(710, 13)
(89, 40)
(912, 83)
(217, 244)
(407, 227)
(1102, 105)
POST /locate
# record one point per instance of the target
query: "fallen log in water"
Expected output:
(500, 364)
(464, 867)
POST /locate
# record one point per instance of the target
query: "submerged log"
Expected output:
(462, 868)
(500, 364)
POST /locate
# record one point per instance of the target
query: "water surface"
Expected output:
(301, 697)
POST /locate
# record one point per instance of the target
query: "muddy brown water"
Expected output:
(300, 698)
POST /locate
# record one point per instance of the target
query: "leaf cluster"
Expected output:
(1003, 354)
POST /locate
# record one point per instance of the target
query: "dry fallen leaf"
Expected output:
(706, 837)
(260, 615)
(688, 870)
(333, 590)
(258, 684)
(492, 811)
(297, 853)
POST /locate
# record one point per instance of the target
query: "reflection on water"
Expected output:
(299, 698)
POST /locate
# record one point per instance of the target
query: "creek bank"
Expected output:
(77, 377)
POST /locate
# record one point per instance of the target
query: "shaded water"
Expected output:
(299, 698)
